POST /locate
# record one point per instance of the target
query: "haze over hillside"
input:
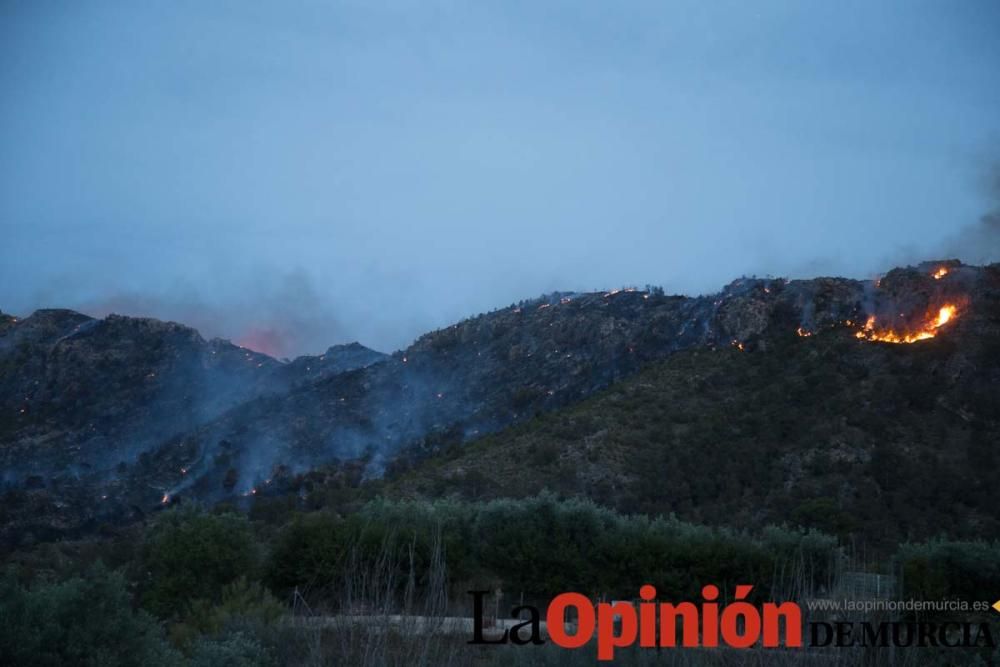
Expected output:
(113, 416)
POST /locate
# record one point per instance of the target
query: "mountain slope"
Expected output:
(494, 370)
(78, 393)
(833, 428)
(826, 431)
(253, 421)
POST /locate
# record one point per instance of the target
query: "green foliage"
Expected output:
(85, 621)
(190, 555)
(942, 570)
(320, 551)
(543, 546)
(244, 604)
(236, 650)
(823, 514)
(308, 552)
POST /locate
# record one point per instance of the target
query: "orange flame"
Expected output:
(940, 273)
(945, 315)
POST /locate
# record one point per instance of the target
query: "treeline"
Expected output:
(543, 546)
(197, 587)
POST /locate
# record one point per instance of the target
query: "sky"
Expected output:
(293, 175)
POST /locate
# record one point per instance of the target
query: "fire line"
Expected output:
(870, 333)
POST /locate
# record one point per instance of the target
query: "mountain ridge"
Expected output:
(246, 428)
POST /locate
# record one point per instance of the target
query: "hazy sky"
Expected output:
(298, 174)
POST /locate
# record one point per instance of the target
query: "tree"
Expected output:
(81, 621)
(190, 555)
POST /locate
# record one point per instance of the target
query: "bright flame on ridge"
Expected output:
(945, 315)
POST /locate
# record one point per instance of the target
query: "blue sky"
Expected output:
(312, 173)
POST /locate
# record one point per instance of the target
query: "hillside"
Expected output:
(105, 420)
(891, 442)
(88, 393)
(494, 370)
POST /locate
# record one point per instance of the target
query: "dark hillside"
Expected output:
(826, 431)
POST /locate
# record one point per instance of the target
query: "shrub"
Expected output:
(85, 621)
(190, 555)
(942, 569)
(236, 650)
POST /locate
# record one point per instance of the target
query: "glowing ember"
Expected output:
(165, 499)
(940, 273)
(945, 315)
(803, 332)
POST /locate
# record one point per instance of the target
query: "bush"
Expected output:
(236, 650)
(543, 546)
(190, 555)
(942, 570)
(81, 621)
(245, 606)
(308, 552)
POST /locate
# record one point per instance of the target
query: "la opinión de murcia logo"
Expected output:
(572, 621)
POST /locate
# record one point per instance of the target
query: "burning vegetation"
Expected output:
(904, 306)
(930, 328)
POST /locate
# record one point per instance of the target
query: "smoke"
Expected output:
(281, 316)
(980, 243)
